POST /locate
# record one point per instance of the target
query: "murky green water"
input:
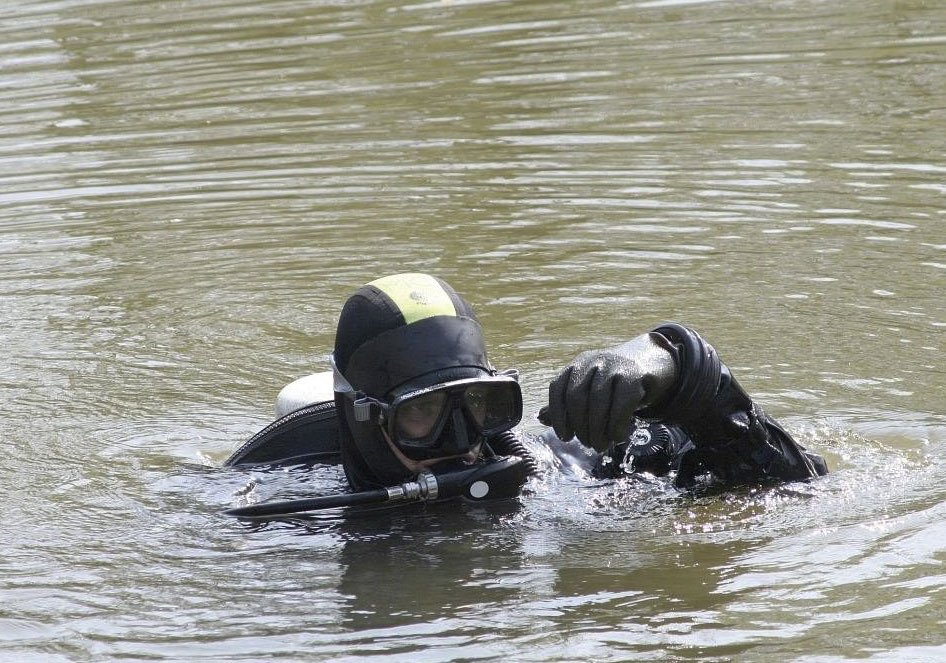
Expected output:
(190, 189)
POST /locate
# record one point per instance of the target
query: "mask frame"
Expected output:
(456, 412)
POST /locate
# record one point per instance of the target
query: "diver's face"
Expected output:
(417, 417)
(424, 425)
(416, 466)
(448, 419)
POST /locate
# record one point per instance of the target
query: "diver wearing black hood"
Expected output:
(415, 395)
(413, 385)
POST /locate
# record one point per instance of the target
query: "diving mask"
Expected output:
(443, 419)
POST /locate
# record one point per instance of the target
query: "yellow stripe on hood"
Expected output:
(418, 296)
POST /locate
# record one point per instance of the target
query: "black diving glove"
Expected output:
(595, 397)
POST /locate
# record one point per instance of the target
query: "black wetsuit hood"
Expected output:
(409, 329)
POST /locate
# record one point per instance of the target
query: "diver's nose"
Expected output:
(457, 438)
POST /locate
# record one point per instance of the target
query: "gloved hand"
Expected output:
(596, 395)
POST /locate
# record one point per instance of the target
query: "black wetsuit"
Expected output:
(707, 425)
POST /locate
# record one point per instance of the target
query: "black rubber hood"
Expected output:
(407, 353)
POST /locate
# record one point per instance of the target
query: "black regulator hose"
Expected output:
(508, 443)
(271, 509)
(494, 478)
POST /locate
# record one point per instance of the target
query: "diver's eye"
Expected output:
(417, 417)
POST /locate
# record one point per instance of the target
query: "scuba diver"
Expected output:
(414, 410)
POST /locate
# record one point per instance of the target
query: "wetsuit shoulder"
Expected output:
(307, 435)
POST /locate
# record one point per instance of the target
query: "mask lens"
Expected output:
(494, 407)
(417, 417)
(428, 419)
(476, 399)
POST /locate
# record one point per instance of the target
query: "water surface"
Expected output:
(190, 190)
